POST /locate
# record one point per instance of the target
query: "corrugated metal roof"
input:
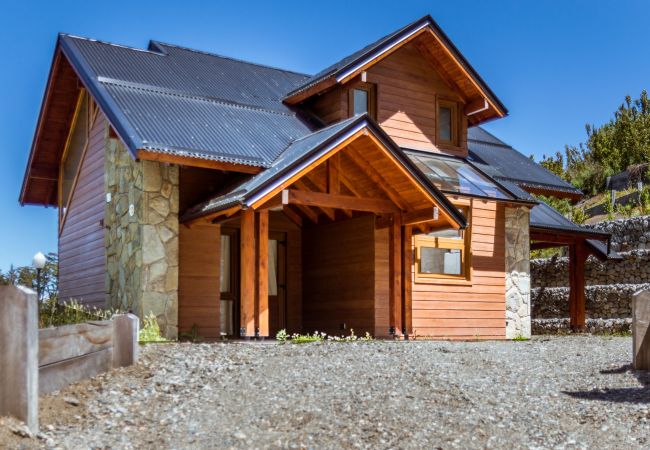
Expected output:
(504, 162)
(175, 100)
(546, 217)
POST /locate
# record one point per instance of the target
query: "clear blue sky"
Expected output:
(556, 65)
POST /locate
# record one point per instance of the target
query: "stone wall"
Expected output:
(517, 273)
(554, 272)
(601, 302)
(141, 219)
(627, 234)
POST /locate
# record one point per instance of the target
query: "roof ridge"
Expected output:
(216, 55)
(110, 44)
(159, 90)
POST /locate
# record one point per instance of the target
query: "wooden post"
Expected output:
(577, 258)
(641, 330)
(262, 291)
(247, 274)
(407, 280)
(395, 273)
(19, 355)
(125, 340)
(333, 178)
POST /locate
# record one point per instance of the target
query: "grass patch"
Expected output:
(150, 331)
(54, 314)
(296, 338)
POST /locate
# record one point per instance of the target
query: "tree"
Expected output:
(28, 276)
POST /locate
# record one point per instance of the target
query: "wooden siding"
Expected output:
(475, 309)
(199, 263)
(338, 276)
(407, 88)
(382, 284)
(82, 254)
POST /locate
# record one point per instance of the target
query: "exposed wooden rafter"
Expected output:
(374, 205)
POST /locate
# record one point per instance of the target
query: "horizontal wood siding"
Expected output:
(407, 88)
(339, 276)
(382, 284)
(82, 254)
(476, 309)
(199, 270)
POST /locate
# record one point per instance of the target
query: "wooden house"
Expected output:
(238, 199)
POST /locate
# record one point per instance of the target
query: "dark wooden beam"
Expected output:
(577, 257)
(319, 199)
(307, 185)
(475, 106)
(292, 215)
(407, 281)
(333, 171)
(420, 216)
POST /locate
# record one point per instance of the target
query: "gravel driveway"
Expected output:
(551, 392)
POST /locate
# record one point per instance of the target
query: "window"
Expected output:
(447, 122)
(362, 99)
(442, 254)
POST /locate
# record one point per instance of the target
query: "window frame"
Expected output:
(371, 90)
(464, 244)
(442, 102)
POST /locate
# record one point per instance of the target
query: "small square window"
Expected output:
(361, 99)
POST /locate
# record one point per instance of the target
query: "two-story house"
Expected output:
(242, 199)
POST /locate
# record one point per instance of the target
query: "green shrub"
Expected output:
(644, 200)
(54, 314)
(578, 215)
(609, 208)
(281, 336)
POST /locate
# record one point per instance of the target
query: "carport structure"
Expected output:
(548, 229)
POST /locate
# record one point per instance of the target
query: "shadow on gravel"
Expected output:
(621, 395)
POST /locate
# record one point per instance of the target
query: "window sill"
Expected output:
(443, 281)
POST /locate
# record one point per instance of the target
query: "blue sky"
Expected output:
(556, 65)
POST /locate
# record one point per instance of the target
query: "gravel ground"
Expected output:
(550, 392)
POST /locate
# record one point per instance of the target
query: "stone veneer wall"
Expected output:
(141, 220)
(517, 273)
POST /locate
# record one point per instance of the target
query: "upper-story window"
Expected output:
(362, 99)
(447, 122)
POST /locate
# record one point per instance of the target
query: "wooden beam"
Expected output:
(292, 215)
(302, 184)
(374, 205)
(324, 186)
(421, 215)
(407, 281)
(262, 260)
(577, 258)
(212, 217)
(476, 106)
(196, 162)
(364, 166)
(333, 171)
(247, 273)
(395, 274)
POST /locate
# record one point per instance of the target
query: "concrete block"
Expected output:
(125, 339)
(19, 355)
(641, 330)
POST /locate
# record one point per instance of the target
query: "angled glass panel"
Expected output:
(457, 176)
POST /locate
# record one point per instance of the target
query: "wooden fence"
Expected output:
(34, 362)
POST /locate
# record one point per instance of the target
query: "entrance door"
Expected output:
(277, 282)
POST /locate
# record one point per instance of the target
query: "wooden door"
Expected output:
(229, 302)
(277, 282)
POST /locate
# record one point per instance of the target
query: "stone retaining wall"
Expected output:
(604, 302)
(627, 234)
(595, 326)
(554, 272)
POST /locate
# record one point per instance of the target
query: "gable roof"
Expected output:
(357, 61)
(303, 152)
(505, 163)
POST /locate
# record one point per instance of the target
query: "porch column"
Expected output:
(407, 280)
(262, 262)
(577, 258)
(247, 274)
(395, 273)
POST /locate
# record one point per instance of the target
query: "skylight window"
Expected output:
(456, 176)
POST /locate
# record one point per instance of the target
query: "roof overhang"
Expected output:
(263, 188)
(481, 105)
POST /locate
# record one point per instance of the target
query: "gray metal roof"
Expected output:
(176, 100)
(307, 149)
(379, 45)
(504, 162)
(546, 217)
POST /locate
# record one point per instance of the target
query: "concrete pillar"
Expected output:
(19, 355)
(641, 330)
(125, 340)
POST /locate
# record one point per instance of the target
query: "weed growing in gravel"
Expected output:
(297, 338)
(150, 332)
(520, 337)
